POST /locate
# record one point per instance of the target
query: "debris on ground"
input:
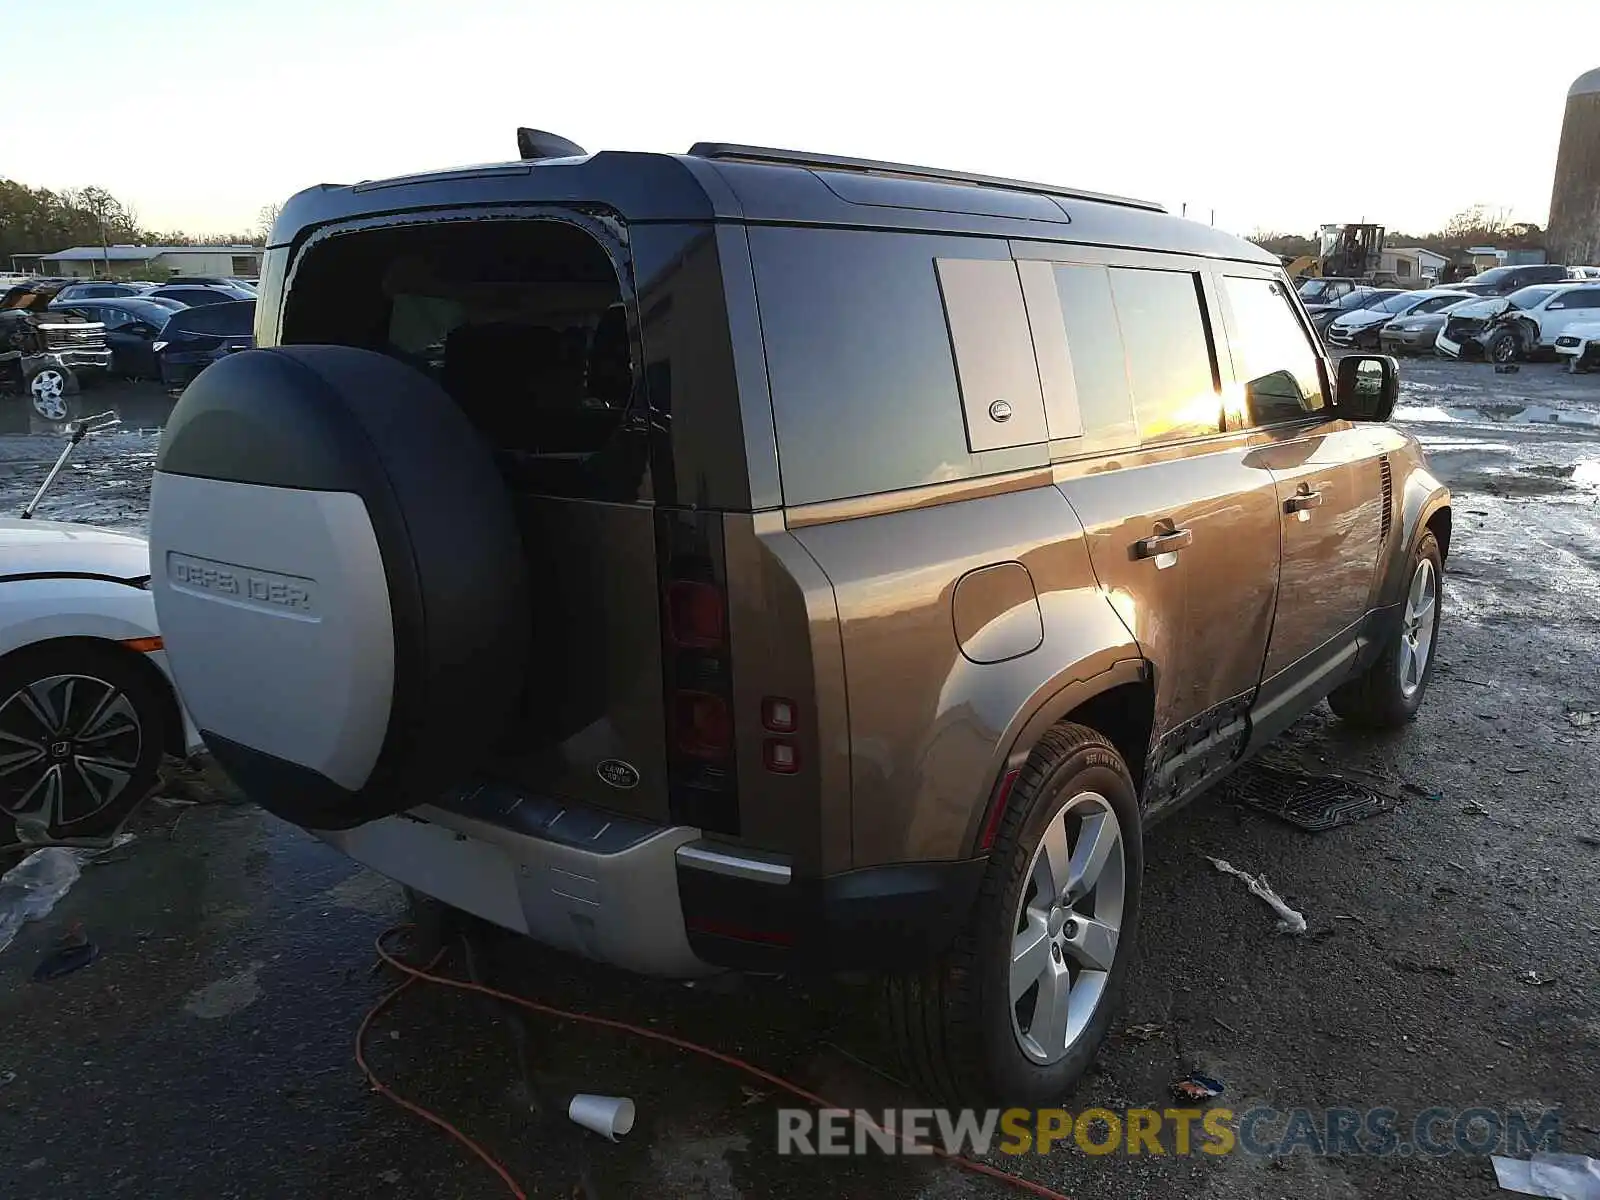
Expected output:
(1582, 718)
(1143, 1033)
(29, 890)
(1510, 770)
(7, 1077)
(64, 960)
(1312, 802)
(1289, 921)
(1195, 1086)
(1589, 839)
(1560, 1176)
(1534, 979)
(1416, 789)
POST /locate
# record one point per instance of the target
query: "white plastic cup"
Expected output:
(609, 1116)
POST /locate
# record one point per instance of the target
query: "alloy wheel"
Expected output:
(1416, 630)
(69, 744)
(1067, 927)
(49, 389)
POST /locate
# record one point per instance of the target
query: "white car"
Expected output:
(1506, 328)
(1361, 326)
(87, 706)
(1579, 344)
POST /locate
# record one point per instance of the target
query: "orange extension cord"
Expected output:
(425, 974)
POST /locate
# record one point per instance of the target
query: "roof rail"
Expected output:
(867, 166)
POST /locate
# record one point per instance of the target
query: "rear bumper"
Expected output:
(661, 900)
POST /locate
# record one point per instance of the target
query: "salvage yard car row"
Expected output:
(1459, 321)
(57, 334)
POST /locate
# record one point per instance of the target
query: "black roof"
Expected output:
(725, 182)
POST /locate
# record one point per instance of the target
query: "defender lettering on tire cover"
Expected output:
(339, 579)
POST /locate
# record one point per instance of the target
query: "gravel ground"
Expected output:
(208, 1051)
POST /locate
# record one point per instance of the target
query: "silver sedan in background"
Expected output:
(1416, 333)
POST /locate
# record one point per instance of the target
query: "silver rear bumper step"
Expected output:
(617, 906)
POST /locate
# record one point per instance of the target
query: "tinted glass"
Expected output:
(234, 319)
(1583, 298)
(1099, 367)
(1530, 297)
(1168, 352)
(1272, 356)
(1396, 304)
(197, 296)
(863, 382)
(1435, 304)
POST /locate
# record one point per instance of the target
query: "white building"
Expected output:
(1413, 264)
(154, 263)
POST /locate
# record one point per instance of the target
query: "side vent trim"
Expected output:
(1387, 519)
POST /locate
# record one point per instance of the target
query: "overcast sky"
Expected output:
(1282, 115)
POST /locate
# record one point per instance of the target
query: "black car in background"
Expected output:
(132, 326)
(194, 338)
(1502, 281)
(196, 294)
(101, 289)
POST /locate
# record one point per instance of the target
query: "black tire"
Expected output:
(1375, 699)
(126, 743)
(1503, 347)
(953, 1023)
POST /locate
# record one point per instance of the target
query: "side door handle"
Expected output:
(1305, 498)
(1162, 543)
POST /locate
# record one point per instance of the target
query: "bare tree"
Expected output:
(266, 219)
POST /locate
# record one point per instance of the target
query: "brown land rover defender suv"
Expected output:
(743, 559)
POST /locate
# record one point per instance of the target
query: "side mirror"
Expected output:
(1369, 385)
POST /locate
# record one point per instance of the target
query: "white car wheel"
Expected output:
(48, 391)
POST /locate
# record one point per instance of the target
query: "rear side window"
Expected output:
(1169, 353)
(1273, 358)
(1099, 367)
(227, 320)
(865, 392)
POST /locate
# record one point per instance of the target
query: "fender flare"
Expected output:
(1052, 703)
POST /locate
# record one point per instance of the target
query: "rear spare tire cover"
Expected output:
(339, 580)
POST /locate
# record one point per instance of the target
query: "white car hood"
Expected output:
(56, 548)
(1363, 318)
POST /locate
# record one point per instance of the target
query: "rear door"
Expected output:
(1569, 308)
(1181, 521)
(1329, 488)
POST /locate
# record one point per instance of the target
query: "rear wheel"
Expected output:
(1390, 691)
(82, 728)
(1017, 1010)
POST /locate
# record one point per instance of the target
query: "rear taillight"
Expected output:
(780, 755)
(697, 672)
(696, 615)
(702, 725)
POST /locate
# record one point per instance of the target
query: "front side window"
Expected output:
(1272, 357)
(1168, 352)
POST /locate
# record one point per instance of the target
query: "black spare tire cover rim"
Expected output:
(406, 516)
